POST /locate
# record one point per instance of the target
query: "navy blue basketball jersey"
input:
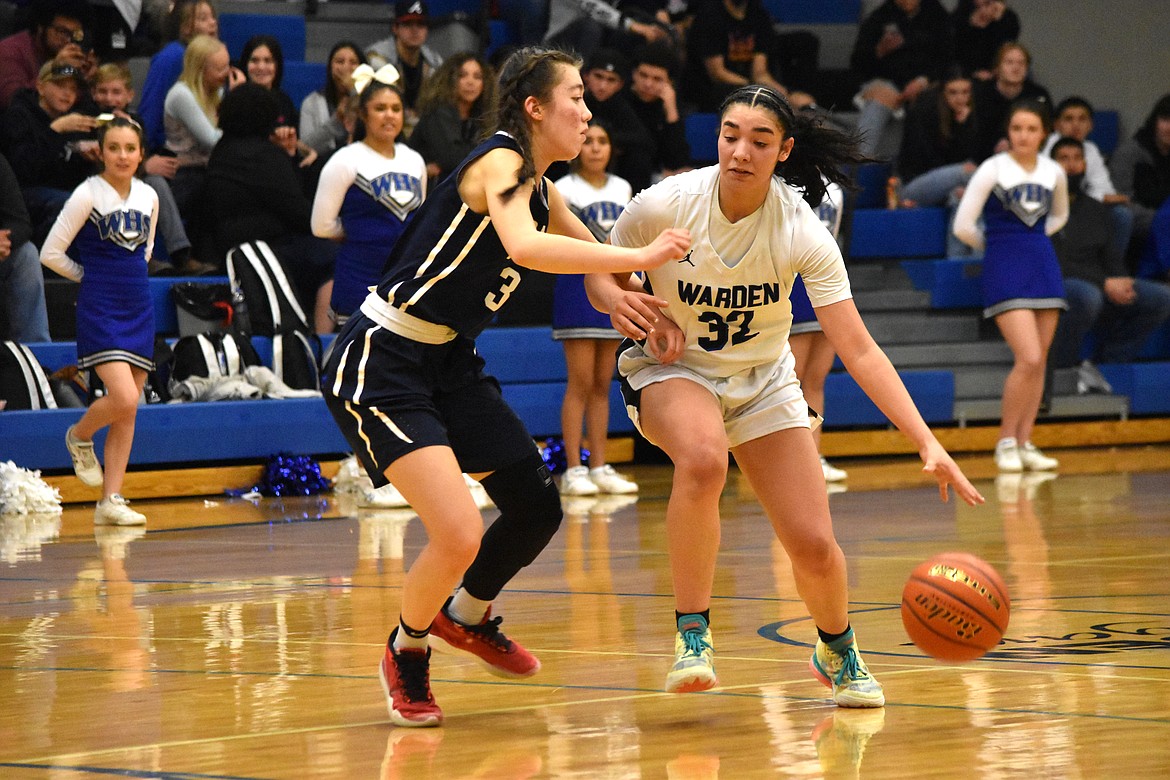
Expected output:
(449, 267)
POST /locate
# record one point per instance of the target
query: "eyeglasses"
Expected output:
(76, 36)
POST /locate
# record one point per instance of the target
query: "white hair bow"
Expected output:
(364, 74)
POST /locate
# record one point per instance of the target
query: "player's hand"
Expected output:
(635, 314)
(671, 244)
(665, 341)
(946, 472)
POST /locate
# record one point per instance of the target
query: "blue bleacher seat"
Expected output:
(440, 8)
(1146, 384)
(933, 393)
(1106, 129)
(954, 282)
(236, 29)
(872, 179)
(500, 33)
(814, 11)
(702, 130)
(302, 78)
(901, 233)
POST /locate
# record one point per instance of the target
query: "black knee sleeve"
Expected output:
(530, 514)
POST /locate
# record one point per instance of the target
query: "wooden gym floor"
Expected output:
(234, 640)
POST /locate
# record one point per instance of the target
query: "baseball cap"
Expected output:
(55, 71)
(411, 11)
(607, 59)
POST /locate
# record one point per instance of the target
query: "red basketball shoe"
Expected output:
(484, 642)
(406, 679)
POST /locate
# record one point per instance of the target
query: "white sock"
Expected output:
(1006, 441)
(404, 641)
(466, 609)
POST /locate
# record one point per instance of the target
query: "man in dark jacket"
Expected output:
(1102, 297)
(652, 95)
(604, 75)
(22, 284)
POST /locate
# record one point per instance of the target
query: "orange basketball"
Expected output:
(955, 607)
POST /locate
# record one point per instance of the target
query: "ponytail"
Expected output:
(819, 152)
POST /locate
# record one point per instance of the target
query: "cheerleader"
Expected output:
(367, 191)
(1023, 199)
(589, 341)
(110, 219)
(810, 347)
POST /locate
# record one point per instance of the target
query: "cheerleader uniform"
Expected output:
(804, 319)
(1020, 210)
(730, 297)
(403, 373)
(573, 316)
(114, 239)
(365, 199)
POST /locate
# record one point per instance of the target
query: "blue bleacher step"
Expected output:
(952, 282)
(944, 354)
(919, 327)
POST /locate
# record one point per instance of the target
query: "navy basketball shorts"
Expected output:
(391, 395)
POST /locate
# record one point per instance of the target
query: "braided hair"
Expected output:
(819, 153)
(529, 72)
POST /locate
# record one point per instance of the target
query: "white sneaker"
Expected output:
(1035, 460)
(1007, 455)
(1091, 380)
(831, 472)
(85, 462)
(576, 482)
(609, 481)
(349, 476)
(116, 510)
(481, 497)
(385, 497)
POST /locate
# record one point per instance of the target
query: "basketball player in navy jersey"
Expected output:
(407, 389)
(716, 373)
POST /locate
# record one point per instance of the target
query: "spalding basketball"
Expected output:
(955, 607)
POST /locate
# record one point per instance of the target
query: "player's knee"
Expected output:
(702, 466)
(529, 504)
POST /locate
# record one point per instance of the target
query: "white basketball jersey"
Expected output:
(730, 293)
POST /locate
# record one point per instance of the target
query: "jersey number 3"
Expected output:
(494, 300)
(720, 328)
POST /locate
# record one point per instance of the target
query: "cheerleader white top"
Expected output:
(365, 199)
(1020, 209)
(573, 316)
(804, 318)
(113, 239)
(729, 294)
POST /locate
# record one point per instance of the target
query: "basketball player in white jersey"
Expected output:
(716, 372)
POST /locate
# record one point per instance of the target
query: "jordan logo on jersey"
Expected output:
(687, 259)
(127, 229)
(400, 193)
(1030, 202)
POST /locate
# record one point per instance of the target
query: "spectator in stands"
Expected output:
(1140, 168)
(1102, 296)
(652, 95)
(407, 51)
(327, 115)
(57, 34)
(255, 192)
(22, 285)
(584, 26)
(981, 27)
(994, 98)
(586, 335)
(728, 46)
(262, 62)
(1023, 199)
(113, 92)
(939, 144)
(368, 190)
(902, 47)
(109, 223)
(453, 112)
(1073, 118)
(187, 19)
(49, 143)
(633, 147)
(190, 117)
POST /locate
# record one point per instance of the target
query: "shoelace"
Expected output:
(696, 644)
(415, 675)
(489, 631)
(850, 666)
